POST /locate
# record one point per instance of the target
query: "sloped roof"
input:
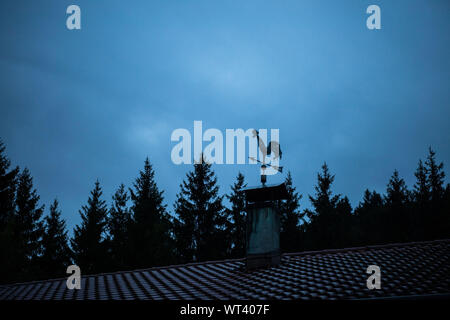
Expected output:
(411, 269)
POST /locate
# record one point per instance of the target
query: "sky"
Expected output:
(81, 105)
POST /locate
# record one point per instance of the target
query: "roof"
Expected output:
(411, 269)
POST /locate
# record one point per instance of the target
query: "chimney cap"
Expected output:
(266, 193)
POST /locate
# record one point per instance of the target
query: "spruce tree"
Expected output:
(435, 176)
(89, 243)
(324, 202)
(436, 217)
(421, 187)
(398, 216)
(369, 219)
(290, 218)
(345, 228)
(371, 200)
(200, 221)
(323, 229)
(8, 181)
(397, 194)
(7, 187)
(56, 256)
(237, 227)
(118, 226)
(27, 227)
(150, 238)
(421, 197)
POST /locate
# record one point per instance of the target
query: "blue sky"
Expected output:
(93, 103)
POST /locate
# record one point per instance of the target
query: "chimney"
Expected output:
(263, 225)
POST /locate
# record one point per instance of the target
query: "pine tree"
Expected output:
(398, 219)
(371, 200)
(89, 244)
(421, 187)
(323, 230)
(118, 226)
(435, 175)
(397, 192)
(436, 217)
(199, 226)
(150, 242)
(8, 181)
(56, 252)
(421, 197)
(369, 221)
(7, 187)
(237, 228)
(324, 202)
(290, 218)
(27, 228)
(345, 228)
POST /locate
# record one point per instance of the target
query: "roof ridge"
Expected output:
(171, 266)
(378, 246)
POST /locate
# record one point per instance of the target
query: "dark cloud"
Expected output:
(93, 103)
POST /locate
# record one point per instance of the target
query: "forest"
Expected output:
(135, 228)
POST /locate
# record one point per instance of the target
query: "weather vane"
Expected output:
(272, 148)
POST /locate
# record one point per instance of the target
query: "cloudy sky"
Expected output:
(77, 105)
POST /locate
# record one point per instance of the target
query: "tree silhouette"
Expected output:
(7, 187)
(368, 219)
(324, 202)
(8, 180)
(150, 240)
(328, 221)
(290, 218)
(27, 228)
(421, 202)
(421, 191)
(200, 223)
(397, 201)
(89, 242)
(397, 194)
(435, 175)
(202, 228)
(344, 227)
(118, 226)
(56, 255)
(436, 215)
(236, 229)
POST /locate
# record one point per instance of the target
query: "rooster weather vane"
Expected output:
(273, 148)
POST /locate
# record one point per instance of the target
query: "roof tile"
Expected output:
(420, 268)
